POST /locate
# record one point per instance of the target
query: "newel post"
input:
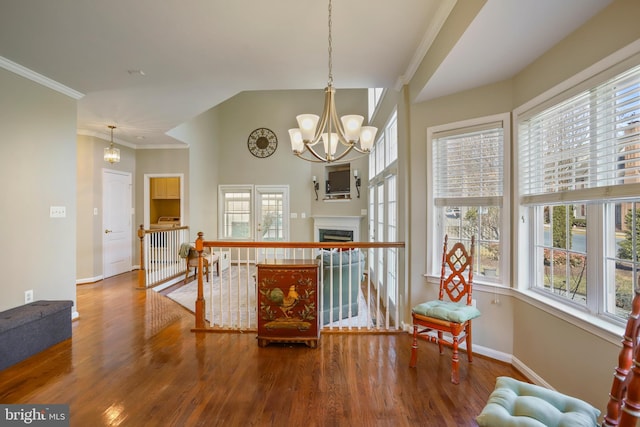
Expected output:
(142, 276)
(200, 302)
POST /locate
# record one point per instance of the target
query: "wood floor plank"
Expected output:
(133, 361)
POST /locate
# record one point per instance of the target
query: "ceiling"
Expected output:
(149, 66)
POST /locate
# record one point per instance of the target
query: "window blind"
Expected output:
(468, 164)
(586, 147)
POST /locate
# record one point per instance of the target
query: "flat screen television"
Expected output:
(338, 182)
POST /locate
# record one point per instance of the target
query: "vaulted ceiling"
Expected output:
(149, 66)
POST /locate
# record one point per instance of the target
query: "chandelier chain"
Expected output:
(330, 82)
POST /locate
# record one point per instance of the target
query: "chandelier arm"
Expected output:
(343, 154)
(338, 123)
(361, 151)
(315, 154)
(300, 155)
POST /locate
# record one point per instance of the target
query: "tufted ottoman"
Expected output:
(515, 403)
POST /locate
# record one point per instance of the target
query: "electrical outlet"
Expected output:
(473, 302)
(57, 212)
(28, 296)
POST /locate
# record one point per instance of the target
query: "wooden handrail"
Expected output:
(200, 244)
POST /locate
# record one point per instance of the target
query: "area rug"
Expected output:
(230, 300)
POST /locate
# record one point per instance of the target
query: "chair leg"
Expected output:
(414, 348)
(440, 345)
(455, 361)
(468, 340)
(186, 275)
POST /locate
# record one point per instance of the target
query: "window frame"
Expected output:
(435, 230)
(593, 316)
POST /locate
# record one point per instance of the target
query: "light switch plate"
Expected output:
(57, 212)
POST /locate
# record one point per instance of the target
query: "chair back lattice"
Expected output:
(456, 276)
(623, 408)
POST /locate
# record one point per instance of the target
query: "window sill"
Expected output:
(577, 317)
(593, 324)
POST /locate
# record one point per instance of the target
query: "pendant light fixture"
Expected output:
(347, 133)
(111, 154)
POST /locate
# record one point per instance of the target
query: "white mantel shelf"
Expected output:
(337, 222)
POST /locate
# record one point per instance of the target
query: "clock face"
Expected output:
(262, 142)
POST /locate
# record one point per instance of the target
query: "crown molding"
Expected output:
(439, 19)
(39, 78)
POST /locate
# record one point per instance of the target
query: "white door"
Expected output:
(271, 216)
(116, 223)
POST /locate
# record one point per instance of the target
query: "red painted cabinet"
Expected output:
(288, 302)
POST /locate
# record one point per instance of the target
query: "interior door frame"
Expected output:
(103, 225)
(147, 196)
(286, 226)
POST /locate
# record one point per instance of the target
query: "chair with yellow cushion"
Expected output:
(452, 315)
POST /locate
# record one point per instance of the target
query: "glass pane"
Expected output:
(462, 222)
(622, 240)
(564, 257)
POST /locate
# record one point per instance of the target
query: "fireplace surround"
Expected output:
(336, 228)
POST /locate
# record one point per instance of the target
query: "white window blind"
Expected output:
(584, 148)
(468, 164)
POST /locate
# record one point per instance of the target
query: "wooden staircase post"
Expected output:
(142, 274)
(200, 302)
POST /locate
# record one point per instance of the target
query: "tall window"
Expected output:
(579, 184)
(383, 209)
(468, 187)
(375, 95)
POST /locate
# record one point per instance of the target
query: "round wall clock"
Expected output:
(262, 142)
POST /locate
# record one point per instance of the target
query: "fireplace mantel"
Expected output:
(336, 222)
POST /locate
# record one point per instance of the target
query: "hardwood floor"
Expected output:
(133, 361)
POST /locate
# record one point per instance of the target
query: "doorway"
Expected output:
(163, 197)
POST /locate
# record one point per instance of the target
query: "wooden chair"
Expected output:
(209, 260)
(514, 402)
(453, 316)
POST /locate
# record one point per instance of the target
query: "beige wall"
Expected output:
(38, 148)
(90, 166)
(219, 155)
(567, 356)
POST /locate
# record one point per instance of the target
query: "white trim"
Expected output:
(89, 280)
(39, 78)
(529, 373)
(439, 18)
(589, 72)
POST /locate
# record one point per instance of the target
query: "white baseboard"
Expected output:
(496, 355)
(89, 280)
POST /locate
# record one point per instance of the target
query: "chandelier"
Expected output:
(348, 132)
(111, 154)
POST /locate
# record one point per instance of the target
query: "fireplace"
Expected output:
(327, 235)
(337, 228)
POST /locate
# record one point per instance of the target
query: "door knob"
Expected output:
(107, 231)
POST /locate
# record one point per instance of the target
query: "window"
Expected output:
(468, 187)
(579, 173)
(375, 95)
(236, 214)
(383, 211)
(250, 212)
